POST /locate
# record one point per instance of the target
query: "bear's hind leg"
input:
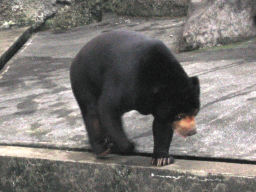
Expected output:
(96, 134)
(87, 102)
(112, 123)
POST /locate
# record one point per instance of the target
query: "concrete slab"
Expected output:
(28, 169)
(38, 109)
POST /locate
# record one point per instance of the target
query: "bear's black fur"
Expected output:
(121, 71)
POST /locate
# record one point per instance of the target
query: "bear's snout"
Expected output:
(185, 127)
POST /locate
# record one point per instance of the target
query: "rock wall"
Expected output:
(210, 22)
(173, 8)
(66, 14)
(218, 22)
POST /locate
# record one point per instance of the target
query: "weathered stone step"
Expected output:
(30, 169)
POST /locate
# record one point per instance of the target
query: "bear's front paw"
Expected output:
(162, 161)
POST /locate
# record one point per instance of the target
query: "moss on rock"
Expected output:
(78, 13)
(26, 12)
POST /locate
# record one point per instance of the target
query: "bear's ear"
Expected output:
(196, 84)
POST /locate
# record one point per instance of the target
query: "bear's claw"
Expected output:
(103, 154)
(162, 161)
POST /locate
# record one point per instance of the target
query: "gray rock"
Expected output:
(148, 7)
(218, 22)
(75, 14)
(7, 25)
(26, 12)
(69, 13)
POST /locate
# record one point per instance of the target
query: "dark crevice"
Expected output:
(198, 158)
(180, 157)
(18, 44)
(215, 159)
(15, 48)
(254, 20)
(63, 2)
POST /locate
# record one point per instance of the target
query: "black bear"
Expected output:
(121, 71)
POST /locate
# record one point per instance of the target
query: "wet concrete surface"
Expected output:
(37, 107)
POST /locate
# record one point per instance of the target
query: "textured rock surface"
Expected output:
(69, 13)
(149, 7)
(25, 12)
(217, 22)
(66, 14)
(75, 13)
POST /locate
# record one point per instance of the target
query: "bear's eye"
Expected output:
(180, 116)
